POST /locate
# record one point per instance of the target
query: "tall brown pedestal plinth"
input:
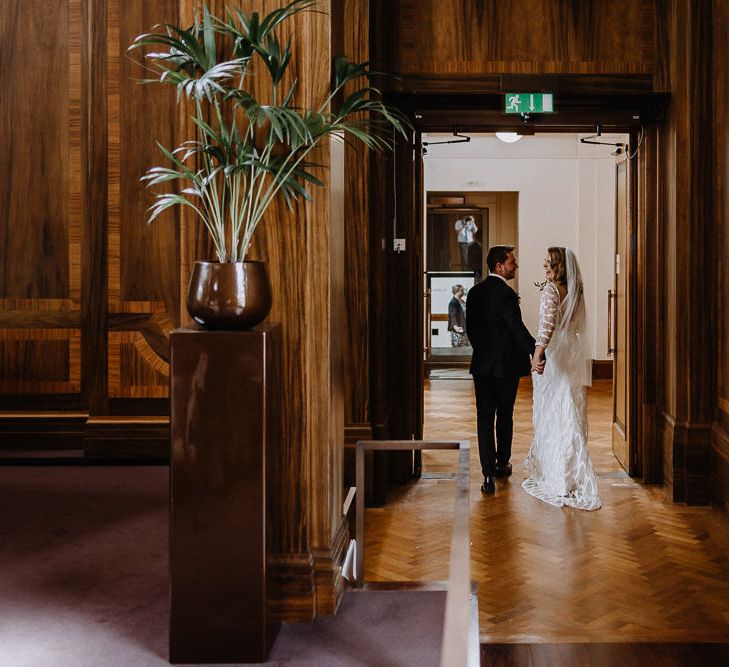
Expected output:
(223, 408)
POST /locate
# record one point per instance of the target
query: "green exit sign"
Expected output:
(528, 103)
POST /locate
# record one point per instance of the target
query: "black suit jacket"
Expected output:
(501, 343)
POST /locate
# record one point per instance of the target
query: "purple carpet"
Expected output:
(83, 582)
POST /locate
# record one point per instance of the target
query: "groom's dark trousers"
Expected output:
(501, 348)
(495, 399)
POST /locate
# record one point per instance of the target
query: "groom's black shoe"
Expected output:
(503, 471)
(488, 485)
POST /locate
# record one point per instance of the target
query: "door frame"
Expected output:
(645, 454)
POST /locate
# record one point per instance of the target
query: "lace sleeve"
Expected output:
(548, 307)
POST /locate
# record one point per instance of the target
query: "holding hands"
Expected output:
(538, 360)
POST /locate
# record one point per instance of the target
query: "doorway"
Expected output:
(456, 259)
(560, 192)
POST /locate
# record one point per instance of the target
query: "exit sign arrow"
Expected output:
(529, 103)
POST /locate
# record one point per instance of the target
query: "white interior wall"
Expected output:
(566, 198)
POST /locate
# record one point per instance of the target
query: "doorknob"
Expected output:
(610, 349)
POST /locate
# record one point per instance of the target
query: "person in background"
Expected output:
(465, 229)
(457, 318)
(475, 257)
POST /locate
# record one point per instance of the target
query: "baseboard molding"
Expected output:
(687, 460)
(720, 469)
(306, 585)
(292, 594)
(127, 437)
(44, 431)
(328, 571)
(119, 438)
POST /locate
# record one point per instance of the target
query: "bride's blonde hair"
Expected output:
(557, 264)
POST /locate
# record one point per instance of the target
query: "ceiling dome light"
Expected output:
(508, 137)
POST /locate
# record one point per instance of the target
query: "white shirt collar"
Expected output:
(496, 275)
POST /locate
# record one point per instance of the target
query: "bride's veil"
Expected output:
(573, 306)
(573, 313)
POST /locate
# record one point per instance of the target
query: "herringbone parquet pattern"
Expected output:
(640, 569)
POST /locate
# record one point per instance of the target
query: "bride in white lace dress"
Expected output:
(559, 465)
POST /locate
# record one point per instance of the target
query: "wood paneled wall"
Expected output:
(41, 206)
(358, 417)
(688, 250)
(478, 37)
(89, 291)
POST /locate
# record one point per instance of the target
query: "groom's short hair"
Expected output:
(498, 255)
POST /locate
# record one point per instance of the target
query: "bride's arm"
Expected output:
(548, 306)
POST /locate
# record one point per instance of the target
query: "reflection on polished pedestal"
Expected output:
(223, 406)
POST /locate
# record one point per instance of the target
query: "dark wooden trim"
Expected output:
(117, 438)
(130, 407)
(560, 84)
(48, 431)
(668, 654)
(130, 437)
(648, 331)
(483, 112)
(355, 432)
(602, 369)
(635, 358)
(672, 475)
(687, 456)
(292, 582)
(42, 402)
(328, 570)
(95, 192)
(720, 468)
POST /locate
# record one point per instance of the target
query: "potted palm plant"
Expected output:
(246, 153)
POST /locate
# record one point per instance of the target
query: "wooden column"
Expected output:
(688, 265)
(358, 249)
(305, 250)
(224, 428)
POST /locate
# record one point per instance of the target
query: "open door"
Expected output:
(618, 317)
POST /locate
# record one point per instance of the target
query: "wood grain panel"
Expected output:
(720, 433)
(95, 189)
(149, 253)
(37, 361)
(41, 202)
(143, 259)
(689, 313)
(135, 369)
(34, 193)
(304, 250)
(356, 241)
(648, 335)
(721, 171)
(522, 36)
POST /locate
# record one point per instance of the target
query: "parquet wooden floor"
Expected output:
(641, 569)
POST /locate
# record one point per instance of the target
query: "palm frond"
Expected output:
(248, 151)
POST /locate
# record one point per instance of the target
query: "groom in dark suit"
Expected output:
(502, 346)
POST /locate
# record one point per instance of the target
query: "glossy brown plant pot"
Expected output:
(229, 295)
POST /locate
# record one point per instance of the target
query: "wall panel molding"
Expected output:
(429, 36)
